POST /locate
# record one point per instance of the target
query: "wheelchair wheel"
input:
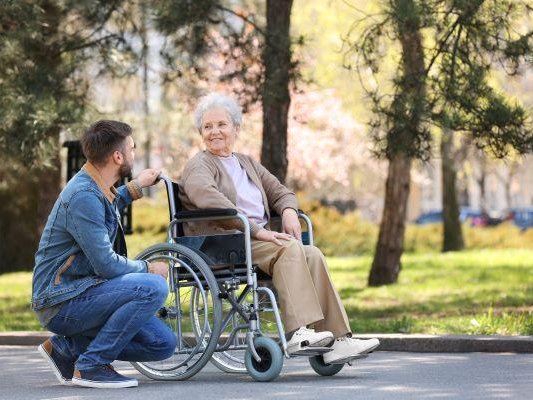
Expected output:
(321, 368)
(232, 359)
(271, 360)
(189, 276)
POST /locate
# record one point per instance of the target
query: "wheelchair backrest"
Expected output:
(174, 205)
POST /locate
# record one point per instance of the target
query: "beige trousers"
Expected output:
(305, 291)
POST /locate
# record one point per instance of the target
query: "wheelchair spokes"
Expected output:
(196, 337)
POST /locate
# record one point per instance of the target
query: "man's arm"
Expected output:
(86, 223)
(133, 189)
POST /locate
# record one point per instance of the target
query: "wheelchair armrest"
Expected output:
(191, 215)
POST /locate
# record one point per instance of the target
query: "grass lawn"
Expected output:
(473, 292)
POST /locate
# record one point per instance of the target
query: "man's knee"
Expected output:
(156, 287)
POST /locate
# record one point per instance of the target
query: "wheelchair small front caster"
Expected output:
(271, 360)
(321, 368)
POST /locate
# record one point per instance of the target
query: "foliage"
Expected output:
(339, 234)
(464, 41)
(212, 42)
(47, 46)
(348, 234)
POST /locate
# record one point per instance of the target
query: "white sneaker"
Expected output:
(346, 349)
(304, 337)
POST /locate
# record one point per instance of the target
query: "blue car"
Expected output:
(435, 217)
(522, 217)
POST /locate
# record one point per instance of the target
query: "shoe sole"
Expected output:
(363, 354)
(104, 385)
(50, 361)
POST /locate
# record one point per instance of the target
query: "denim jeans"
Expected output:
(114, 320)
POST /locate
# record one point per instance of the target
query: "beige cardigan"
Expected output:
(206, 184)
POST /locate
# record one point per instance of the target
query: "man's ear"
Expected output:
(117, 157)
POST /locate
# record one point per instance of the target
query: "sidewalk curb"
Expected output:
(416, 343)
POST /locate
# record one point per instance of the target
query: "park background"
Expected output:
(335, 97)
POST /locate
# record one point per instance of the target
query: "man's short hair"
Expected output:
(102, 138)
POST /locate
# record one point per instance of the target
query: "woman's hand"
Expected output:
(272, 236)
(291, 224)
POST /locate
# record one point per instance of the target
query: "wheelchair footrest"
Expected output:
(308, 351)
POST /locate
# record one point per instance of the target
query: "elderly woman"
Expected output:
(220, 178)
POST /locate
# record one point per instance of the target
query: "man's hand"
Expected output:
(147, 177)
(291, 224)
(271, 236)
(158, 268)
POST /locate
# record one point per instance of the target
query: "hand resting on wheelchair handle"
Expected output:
(291, 224)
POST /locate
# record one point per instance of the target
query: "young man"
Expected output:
(100, 304)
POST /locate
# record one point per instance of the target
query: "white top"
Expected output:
(249, 198)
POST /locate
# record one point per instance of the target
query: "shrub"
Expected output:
(345, 234)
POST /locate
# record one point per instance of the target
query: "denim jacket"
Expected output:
(76, 247)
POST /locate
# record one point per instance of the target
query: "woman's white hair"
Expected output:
(217, 100)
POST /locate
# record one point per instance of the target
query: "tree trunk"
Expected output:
(276, 98)
(452, 229)
(481, 182)
(386, 265)
(405, 128)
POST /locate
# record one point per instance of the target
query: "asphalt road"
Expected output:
(383, 375)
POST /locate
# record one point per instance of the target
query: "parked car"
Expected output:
(522, 217)
(432, 217)
(476, 217)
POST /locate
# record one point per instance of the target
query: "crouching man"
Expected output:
(99, 304)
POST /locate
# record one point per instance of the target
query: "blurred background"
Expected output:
(404, 126)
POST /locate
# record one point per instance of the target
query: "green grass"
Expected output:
(472, 292)
(15, 294)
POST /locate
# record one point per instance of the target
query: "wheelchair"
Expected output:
(220, 306)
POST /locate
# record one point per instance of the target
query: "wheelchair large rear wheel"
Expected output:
(189, 277)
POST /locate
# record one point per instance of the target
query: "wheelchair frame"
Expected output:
(227, 285)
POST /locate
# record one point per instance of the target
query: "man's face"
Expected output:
(128, 153)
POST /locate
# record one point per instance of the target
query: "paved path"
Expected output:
(384, 375)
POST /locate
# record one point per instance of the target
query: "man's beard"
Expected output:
(125, 170)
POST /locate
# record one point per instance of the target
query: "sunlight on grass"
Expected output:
(442, 293)
(472, 292)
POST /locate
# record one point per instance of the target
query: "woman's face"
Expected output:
(218, 132)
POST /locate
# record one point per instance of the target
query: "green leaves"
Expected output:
(465, 41)
(47, 48)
